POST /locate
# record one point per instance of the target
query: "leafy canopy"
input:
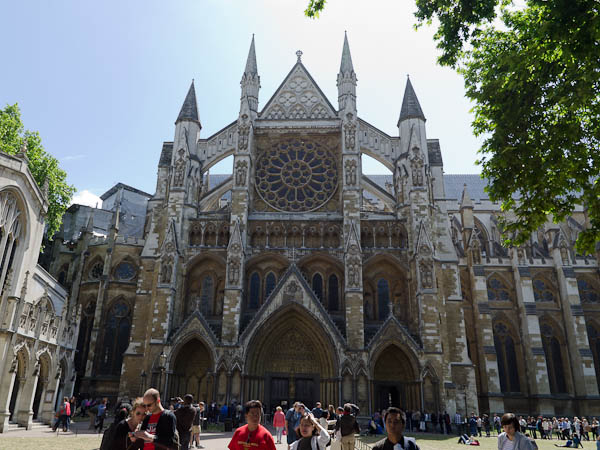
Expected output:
(533, 72)
(43, 166)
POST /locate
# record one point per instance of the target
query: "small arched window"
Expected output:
(270, 282)
(383, 298)
(333, 294)
(254, 291)
(96, 271)
(317, 286)
(497, 289)
(542, 291)
(116, 339)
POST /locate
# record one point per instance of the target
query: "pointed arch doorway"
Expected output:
(292, 358)
(395, 380)
(191, 374)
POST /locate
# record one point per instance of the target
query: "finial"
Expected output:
(299, 55)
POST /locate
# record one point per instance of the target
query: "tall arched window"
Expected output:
(83, 339)
(507, 359)
(207, 296)
(554, 359)
(333, 294)
(383, 298)
(254, 300)
(270, 282)
(10, 233)
(116, 339)
(594, 338)
(317, 285)
(587, 293)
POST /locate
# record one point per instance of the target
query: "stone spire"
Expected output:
(346, 81)
(189, 109)
(346, 63)
(411, 109)
(250, 82)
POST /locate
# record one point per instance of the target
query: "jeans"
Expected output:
(279, 433)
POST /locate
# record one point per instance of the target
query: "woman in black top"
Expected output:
(120, 437)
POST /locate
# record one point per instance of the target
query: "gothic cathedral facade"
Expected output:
(298, 277)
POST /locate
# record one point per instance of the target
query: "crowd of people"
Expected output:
(145, 423)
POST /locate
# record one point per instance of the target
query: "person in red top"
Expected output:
(252, 435)
(279, 423)
(158, 429)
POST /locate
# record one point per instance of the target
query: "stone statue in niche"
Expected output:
(521, 256)
(426, 268)
(350, 133)
(564, 254)
(243, 132)
(417, 169)
(166, 271)
(354, 272)
(234, 270)
(351, 172)
(241, 168)
(476, 251)
(179, 169)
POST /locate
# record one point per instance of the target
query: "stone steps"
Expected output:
(36, 425)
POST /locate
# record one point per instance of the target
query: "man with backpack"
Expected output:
(159, 428)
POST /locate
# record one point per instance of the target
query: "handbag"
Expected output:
(284, 431)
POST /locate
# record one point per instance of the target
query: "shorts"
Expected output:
(195, 429)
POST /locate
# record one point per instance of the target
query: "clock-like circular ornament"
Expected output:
(296, 175)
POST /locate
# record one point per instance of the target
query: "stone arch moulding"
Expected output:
(199, 259)
(292, 291)
(22, 207)
(188, 333)
(21, 353)
(393, 333)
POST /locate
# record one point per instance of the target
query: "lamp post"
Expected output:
(162, 360)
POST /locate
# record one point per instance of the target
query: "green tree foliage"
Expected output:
(533, 72)
(314, 8)
(43, 167)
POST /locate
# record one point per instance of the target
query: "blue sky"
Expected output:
(103, 81)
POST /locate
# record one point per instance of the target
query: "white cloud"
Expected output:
(72, 157)
(87, 198)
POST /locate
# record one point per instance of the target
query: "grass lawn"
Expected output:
(427, 441)
(82, 442)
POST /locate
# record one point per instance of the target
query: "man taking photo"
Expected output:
(395, 421)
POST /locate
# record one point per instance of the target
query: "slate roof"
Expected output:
(166, 154)
(411, 109)
(434, 153)
(251, 67)
(346, 63)
(189, 109)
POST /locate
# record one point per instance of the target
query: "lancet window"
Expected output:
(116, 338)
(554, 359)
(507, 359)
(10, 233)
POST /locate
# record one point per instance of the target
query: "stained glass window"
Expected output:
(317, 285)
(116, 339)
(269, 284)
(587, 292)
(554, 359)
(594, 338)
(497, 289)
(296, 175)
(383, 298)
(507, 359)
(542, 291)
(125, 271)
(254, 291)
(333, 294)
(207, 296)
(96, 271)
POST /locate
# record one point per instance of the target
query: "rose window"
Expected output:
(296, 176)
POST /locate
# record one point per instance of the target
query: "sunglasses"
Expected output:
(139, 413)
(147, 405)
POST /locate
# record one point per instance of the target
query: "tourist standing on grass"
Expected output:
(311, 435)
(252, 435)
(511, 438)
(278, 423)
(159, 427)
(197, 425)
(395, 421)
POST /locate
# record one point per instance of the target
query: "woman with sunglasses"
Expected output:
(120, 439)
